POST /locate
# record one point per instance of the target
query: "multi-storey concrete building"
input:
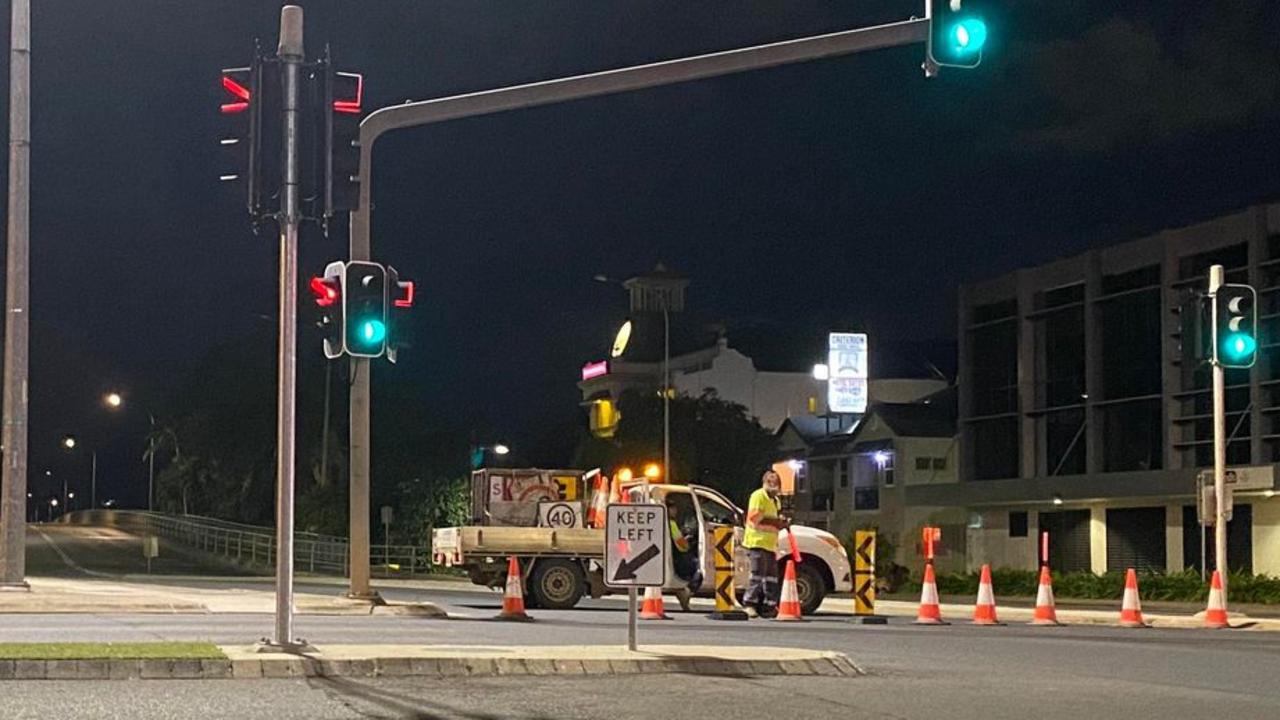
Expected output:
(1079, 415)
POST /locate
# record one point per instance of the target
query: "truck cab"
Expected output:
(696, 511)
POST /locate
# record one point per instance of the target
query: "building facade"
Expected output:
(1080, 416)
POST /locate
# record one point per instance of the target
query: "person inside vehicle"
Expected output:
(684, 545)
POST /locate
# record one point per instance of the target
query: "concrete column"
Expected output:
(1257, 253)
(964, 382)
(1098, 539)
(1173, 538)
(1266, 536)
(1093, 357)
(1029, 449)
(1172, 374)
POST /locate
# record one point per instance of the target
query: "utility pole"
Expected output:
(1219, 439)
(13, 505)
(290, 52)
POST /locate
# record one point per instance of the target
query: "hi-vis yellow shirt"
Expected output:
(762, 522)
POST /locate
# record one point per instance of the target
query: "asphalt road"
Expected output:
(56, 550)
(954, 672)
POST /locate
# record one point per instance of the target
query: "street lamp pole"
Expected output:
(666, 387)
(151, 464)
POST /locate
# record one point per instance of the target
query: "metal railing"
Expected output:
(255, 545)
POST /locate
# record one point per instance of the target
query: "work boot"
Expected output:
(684, 597)
(768, 612)
(752, 612)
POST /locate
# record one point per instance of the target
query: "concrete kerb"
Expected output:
(444, 662)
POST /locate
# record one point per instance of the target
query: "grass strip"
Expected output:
(111, 651)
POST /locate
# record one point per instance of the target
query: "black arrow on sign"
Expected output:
(627, 568)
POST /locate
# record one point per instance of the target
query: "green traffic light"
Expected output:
(373, 332)
(968, 36)
(1240, 346)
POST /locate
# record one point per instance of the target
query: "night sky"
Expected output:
(850, 191)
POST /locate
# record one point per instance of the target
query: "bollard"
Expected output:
(723, 562)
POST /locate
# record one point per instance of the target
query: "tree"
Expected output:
(714, 442)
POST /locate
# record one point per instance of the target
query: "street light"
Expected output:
(69, 443)
(114, 401)
(478, 453)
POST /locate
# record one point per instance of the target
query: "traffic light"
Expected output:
(399, 298)
(249, 140)
(1194, 343)
(956, 33)
(364, 309)
(327, 293)
(1235, 326)
(236, 112)
(344, 103)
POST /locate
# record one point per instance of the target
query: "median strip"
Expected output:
(102, 661)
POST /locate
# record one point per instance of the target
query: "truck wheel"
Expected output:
(811, 588)
(556, 584)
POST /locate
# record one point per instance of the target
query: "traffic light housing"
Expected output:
(326, 292)
(250, 163)
(364, 309)
(344, 104)
(1194, 321)
(399, 298)
(956, 33)
(1235, 326)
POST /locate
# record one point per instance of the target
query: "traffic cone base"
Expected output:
(1215, 615)
(652, 607)
(1046, 613)
(789, 604)
(1131, 607)
(930, 613)
(984, 610)
(513, 595)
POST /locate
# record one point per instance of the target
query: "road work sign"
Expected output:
(725, 609)
(635, 547)
(864, 572)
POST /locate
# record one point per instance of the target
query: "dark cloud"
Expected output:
(1128, 81)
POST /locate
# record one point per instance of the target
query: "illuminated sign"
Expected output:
(620, 341)
(595, 369)
(847, 372)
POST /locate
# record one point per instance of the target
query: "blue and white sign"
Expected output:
(847, 368)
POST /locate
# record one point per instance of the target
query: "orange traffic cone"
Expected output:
(984, 611)
(1131, 608)
(513, 597)
(1045, 614)
(1215, 616)
(652, 607)
(599, 503)
(930, 613)
(789, 605)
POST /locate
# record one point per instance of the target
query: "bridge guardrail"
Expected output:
(256, 545)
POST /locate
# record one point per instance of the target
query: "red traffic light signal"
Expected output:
(327, 291)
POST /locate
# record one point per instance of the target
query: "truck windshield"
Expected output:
(715, 511)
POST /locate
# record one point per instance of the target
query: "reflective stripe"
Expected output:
(681, 542)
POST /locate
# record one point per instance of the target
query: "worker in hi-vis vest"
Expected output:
(764, 520)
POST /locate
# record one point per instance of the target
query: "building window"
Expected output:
(940, 463)
(842, 469)
(802, 475)
(866, 498)
(884, 462)
(995, 448)
(1018, 524)
(923, 463)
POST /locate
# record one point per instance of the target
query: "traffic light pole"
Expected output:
(290, 52)
(1219, 438)
(608, 82)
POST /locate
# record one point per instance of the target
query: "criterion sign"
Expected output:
(635, 545)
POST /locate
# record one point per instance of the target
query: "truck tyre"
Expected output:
(556, 584)
(811, 587)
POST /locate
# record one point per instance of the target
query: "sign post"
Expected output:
(725, 607)
(864, 578)
(635, 552)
